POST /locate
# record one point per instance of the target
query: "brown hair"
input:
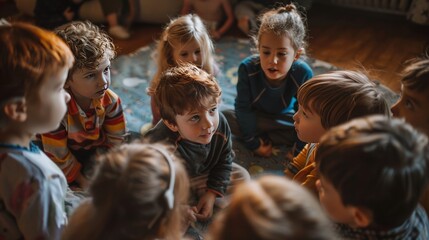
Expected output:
(128, 199)
(28, 53)
(416, 75)
(274, 208)
(377, 163)
(339, 96)
(88, 43)
(283, 21)
(185, 88)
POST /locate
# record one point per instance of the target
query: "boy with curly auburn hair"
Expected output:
(188, 99)
(33, 69)
(373, 171)
(95, 119)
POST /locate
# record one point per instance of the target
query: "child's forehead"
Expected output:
(204, 105)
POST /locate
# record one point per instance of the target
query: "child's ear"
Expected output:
(16, 109)
(173, 127)
(362, 217)
(298, 53)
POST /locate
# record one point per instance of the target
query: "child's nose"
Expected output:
(207, 123)
(395, 109)
(295, 117)
(102, 80)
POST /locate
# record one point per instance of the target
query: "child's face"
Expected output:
(413, 107)
(331, 201)
(308, 125)
(87, 84)
(188, 53)
(198, 125)
(277, 55)
(48, 106)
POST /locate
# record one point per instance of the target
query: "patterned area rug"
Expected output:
(132, 73)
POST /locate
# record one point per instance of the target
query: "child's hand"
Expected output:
(205, 206)
(265, 149)
(190, 213)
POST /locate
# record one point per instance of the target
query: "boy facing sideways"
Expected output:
(413, 104)
(373, 171)
(188, 100)
(94, 119)
(325, 101)
(33, 70)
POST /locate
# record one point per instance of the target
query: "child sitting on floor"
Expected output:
(188, 100)
(33, 70)
(217, 15)
(373, 171)
(184, 40)
(413, 104)
(325, 101)
(137, 193)
(267, 84)
(273, 208)
(94, 120)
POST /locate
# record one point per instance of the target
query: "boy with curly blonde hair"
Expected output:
(95, 119)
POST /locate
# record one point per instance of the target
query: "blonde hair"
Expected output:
(128, 196)
(178, 32)
(271, 207)
(283, 21)
(340, 96)
(88, 43)
(28, 54)
(185, 88)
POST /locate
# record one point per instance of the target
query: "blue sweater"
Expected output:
(255, 94)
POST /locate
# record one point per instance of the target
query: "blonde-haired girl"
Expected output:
(184, 40)
(137, 192)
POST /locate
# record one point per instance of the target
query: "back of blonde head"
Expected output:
(128, 199)
(284, 21)
(273, 208)
(180, 31)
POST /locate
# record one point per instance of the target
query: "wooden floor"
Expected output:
(378, 43)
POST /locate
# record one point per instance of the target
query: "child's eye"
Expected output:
(90, 76)
(194, 118)
(213, 110)
(282, 54)
(198, 51)
(107, 69)
(408, 104)
(304, 114)
(266, 53)
(184, 55)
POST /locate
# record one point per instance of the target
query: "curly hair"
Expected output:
(89, 44)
